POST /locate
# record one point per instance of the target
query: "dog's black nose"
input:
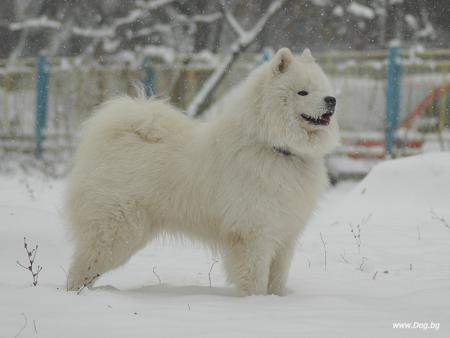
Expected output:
(330, 100)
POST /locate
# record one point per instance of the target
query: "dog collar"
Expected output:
(282, 151)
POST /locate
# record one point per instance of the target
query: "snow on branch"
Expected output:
(252, 34)
(231, 20)
(199, 101)
(157, 28)
(41, 22)
(361, 10)
(206, 18)
(106, 31)
(94, 32)
(143, 8)
(428, 30)
(203, 18)
(244, 39)
(151, 5)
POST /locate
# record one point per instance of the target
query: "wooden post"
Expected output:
(41, 101)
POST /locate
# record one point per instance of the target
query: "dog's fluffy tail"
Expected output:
(152, 120)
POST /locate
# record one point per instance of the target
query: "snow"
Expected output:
(204, 18)
(412, 21)
(338, 11)
(165, 53)
(396, 271)
(321, 3)
(97, 32)
(42, 22)
(361, 10)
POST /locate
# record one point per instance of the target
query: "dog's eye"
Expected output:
(302, 93)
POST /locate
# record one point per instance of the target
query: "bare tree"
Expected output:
(243, 40)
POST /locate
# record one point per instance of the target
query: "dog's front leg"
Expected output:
(279, 268)
(247, 263)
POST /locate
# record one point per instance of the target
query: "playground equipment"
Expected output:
(430, 116)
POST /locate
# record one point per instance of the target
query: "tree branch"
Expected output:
(231, 20)
(106, 31)
(243, 41)
(41, 22)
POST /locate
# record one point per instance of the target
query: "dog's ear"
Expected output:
(281, 61)
(307, 56)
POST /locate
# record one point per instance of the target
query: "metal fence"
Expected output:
(76, 86)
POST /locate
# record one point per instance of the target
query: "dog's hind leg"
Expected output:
(247, 263)
(90, 260)
(279, 268)
(102, 249)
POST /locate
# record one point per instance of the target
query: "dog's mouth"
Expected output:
(323, 120)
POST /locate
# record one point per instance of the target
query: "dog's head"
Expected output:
(298, 104)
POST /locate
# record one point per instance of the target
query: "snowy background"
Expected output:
(196, 52)
(375, 254)
(105, 27)
(394, 267)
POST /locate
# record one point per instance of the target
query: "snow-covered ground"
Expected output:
(393, 268)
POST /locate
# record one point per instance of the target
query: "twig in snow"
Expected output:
(210, 270)
(31, 258)
(34, 324)
(29, 189)
(375, 275)
(438, 218)
(324, 251)
(363, 261)
(344, 259)
(356, 232)
(23, 327)
(357, 236)
(157, 276)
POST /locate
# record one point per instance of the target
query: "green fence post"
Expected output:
(41, 102)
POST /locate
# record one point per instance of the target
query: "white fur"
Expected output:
(143, 169)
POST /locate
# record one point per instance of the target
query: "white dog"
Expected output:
(245, 183)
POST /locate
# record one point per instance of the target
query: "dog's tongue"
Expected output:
(325, 118)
